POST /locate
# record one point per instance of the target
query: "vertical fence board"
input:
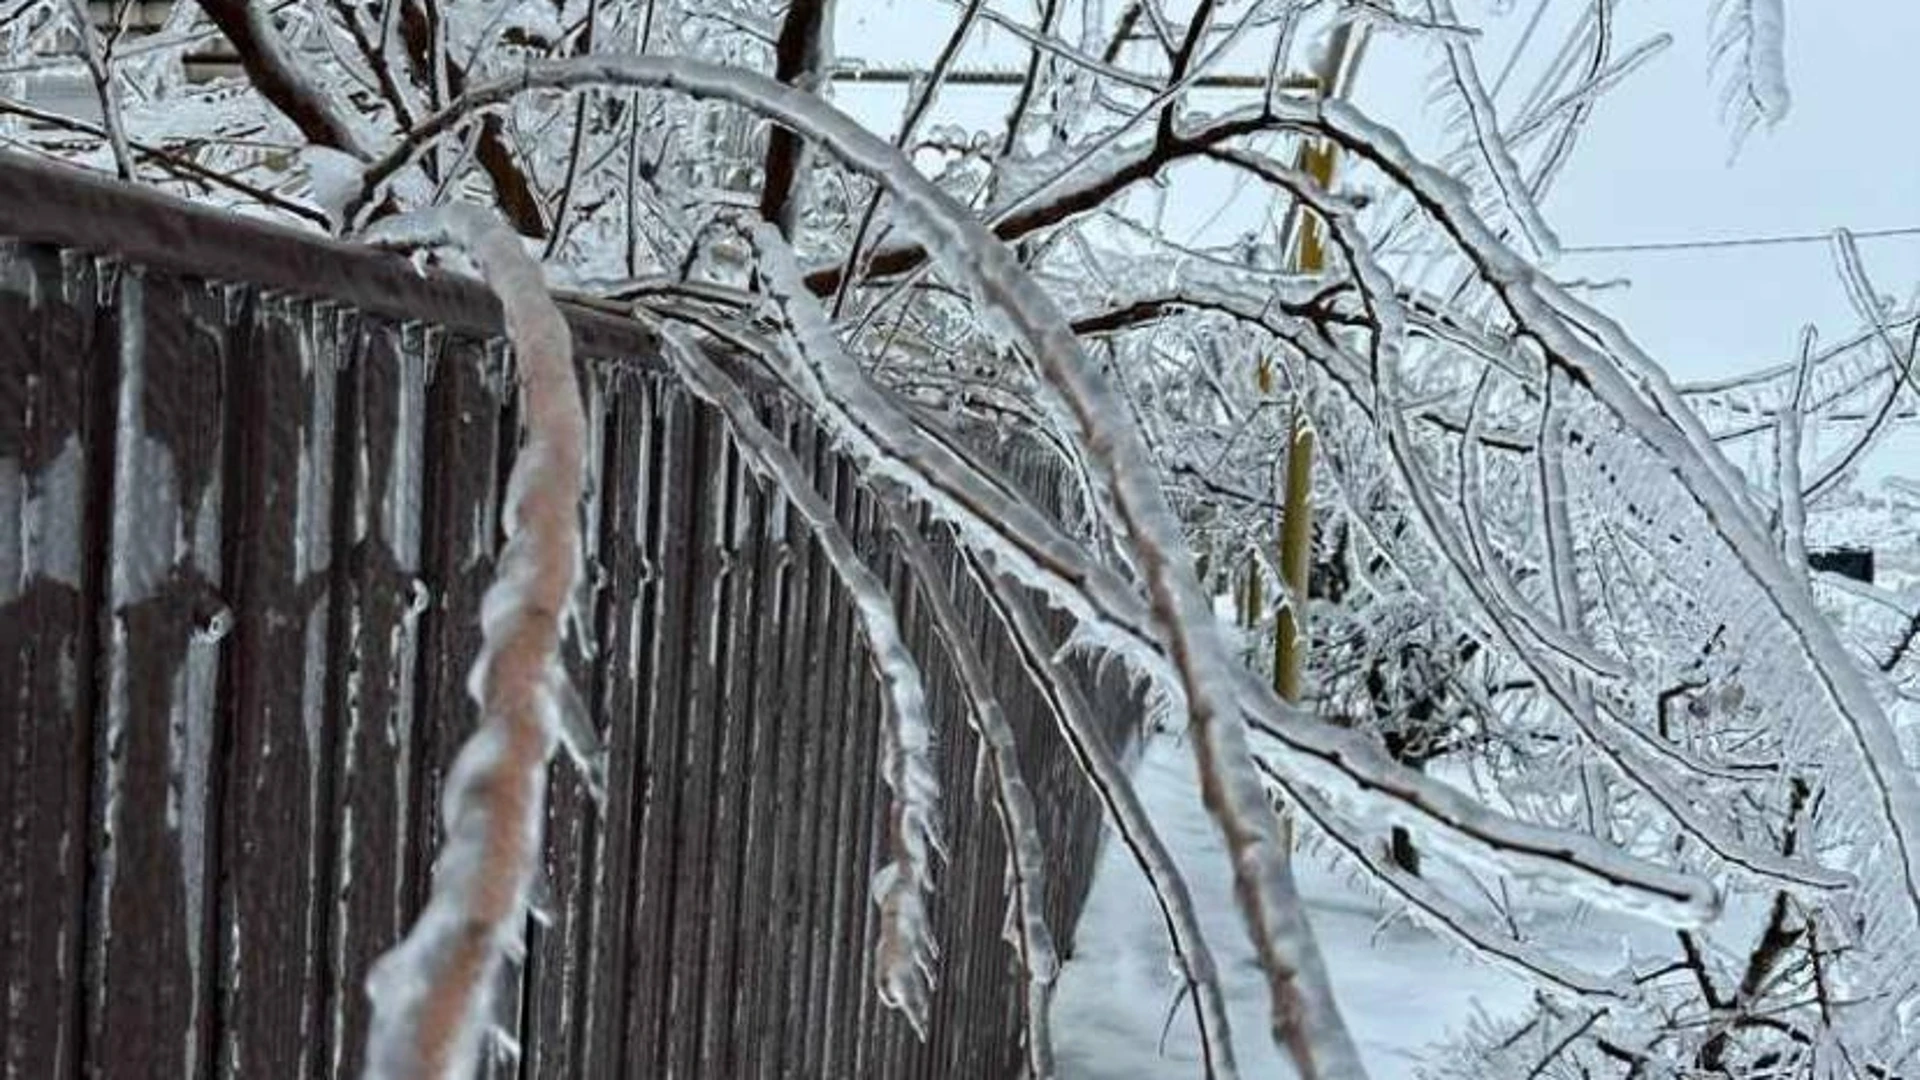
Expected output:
(783, 706)
(832, 686)
(154, 774)
(49, 584)
(470, 439)
(279, 540)
(760, 702)
(383, 433)
(675, 519)
(733, 771)
(859, 723)
(558, 942)
(697, 800)
(628, 608)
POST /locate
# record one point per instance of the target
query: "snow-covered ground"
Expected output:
(1400, 987)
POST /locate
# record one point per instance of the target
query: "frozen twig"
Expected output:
(1488, 140)
(906, 950)
(1012, 798)
(1131, 822)
(1786, 449)
(1635, 389)
(98, 58)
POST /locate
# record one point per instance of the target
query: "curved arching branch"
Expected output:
(431, 992)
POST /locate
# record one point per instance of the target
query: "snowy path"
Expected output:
(1401, 988)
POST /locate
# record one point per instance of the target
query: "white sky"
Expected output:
(1653, 166)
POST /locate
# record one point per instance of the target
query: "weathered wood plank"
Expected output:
(380, 601)
(783, 705)
(675, 524)
(559, 942)
(828, 703)
(863, 720)
(627, 610)
(758, 943)
(697, 801)
(276, 821)
(52, 448)
(156, 801)
(734, 773)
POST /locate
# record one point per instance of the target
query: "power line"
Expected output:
(1737, 241)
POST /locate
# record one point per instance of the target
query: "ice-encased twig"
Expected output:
(432, 992)
(1753, 34)
(1515, 194)
(1637, 391)
(1013, 799)
(905, 950)
(1129, 818)
(1430, 906)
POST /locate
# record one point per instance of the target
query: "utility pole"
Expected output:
(1317, 158)
(1333, 78)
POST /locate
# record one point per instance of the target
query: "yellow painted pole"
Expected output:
(1317, 159)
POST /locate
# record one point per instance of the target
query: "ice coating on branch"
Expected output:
(1431, 907)
(1013, 800)
(1124, 810)
(1483, 124)
(1632, 387)
(1750, 48)
(906, 951)
(432, 992)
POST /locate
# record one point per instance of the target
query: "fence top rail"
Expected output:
(77, 209)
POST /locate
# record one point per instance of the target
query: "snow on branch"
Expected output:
(432, 992)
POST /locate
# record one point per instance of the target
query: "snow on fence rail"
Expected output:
(249, 485)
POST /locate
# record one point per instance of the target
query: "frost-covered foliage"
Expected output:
(1564, 633)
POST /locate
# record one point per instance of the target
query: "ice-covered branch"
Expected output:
(1012, 798)
(432, 992)
(905, 951)
(281, 78)
(1636, 390)
(1478, 111)
(1131, 823)
(1749, 39)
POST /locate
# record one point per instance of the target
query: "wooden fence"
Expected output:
(248, 487)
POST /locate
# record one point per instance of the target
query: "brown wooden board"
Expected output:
(277, 751)
(155, 808)
(54, 377)
(380, 600)
(628, 608)
(674, 526)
